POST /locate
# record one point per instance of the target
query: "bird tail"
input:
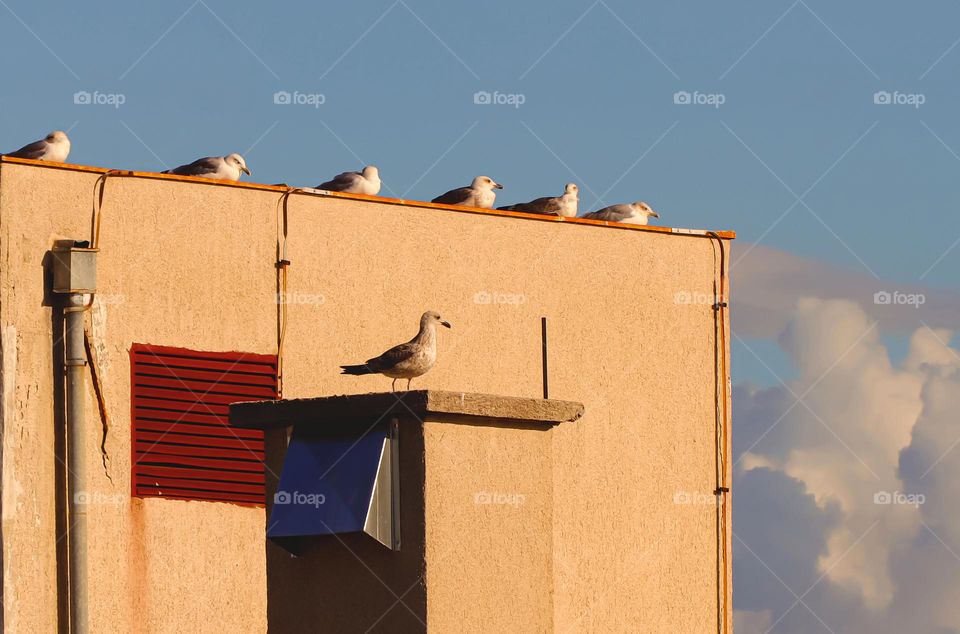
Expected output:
(507, 208)
(356, 370)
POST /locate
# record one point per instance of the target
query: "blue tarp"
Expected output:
(326, 484)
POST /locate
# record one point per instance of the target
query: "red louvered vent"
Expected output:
(182, 445)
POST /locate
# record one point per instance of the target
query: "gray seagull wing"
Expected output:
(34, 150)
(546, 206)
(613, 213)
(456, 196)
(199, 167)
(340, 182)
(392, 357)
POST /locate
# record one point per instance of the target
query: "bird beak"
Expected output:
(246, 169)
(445, 323)
(497, 186)
(654, 214)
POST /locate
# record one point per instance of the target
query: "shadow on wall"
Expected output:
(57, 355)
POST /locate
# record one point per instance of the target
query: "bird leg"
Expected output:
(393, 386)
(408, 384)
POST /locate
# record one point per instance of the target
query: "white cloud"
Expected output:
(807, 520)
(766, 283)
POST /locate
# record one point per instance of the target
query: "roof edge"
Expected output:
(383, 200)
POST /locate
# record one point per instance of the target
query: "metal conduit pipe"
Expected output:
(75, 362)
(74, 276)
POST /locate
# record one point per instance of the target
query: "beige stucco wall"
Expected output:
(489, 510)
(192, 265)
(155, 565)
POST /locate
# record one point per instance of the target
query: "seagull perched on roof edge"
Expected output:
(363, 182)
(565, 205)
(637, 213)
(225, 168)
(55, 147)
(408, 360)
(478, 194)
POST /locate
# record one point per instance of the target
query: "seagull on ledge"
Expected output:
(225, 168)
(637, 213)
(565, 205)
(55, 147)
(408, 360)
(478, 194)
(365, 182)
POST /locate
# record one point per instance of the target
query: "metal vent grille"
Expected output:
(182, 445)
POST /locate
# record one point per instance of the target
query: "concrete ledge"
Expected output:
(327, 412)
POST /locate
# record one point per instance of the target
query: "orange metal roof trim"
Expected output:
(726, 235)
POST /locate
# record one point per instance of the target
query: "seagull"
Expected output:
(478, 194)
(55, 147)
(565, 205)
(226, 168)
(365, 182)
(637, 213)
(408, 360)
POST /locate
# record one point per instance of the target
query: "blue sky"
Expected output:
(799, 158)
(199, 79)
(597, 81)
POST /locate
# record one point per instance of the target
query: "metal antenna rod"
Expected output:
(543, 342)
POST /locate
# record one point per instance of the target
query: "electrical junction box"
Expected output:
(74, 268)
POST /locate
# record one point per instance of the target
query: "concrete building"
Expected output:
(618, 521)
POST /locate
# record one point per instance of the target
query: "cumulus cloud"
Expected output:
(767, 283)
(846, 480)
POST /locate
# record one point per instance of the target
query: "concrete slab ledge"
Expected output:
(366, 409)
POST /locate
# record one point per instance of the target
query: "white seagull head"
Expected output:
(485, 182)
(237, 161)
(432, 318)
(571, 189)
(57, 136)
(58, 147)
(371, 172)
(643, 208)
